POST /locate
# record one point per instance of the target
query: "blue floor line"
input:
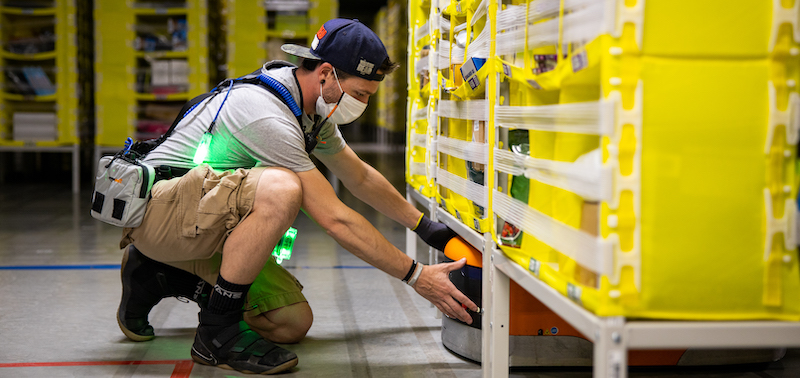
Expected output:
(117, 266)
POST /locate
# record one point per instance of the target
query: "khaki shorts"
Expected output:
(188, 220)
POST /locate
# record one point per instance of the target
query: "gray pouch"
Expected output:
(121, 191)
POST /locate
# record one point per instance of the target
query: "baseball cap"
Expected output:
(347, 45)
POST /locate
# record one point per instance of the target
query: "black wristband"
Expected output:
(410, 271)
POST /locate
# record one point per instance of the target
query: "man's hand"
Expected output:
(436, 234)
(434, 285)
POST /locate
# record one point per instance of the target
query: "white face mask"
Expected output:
(346, 110)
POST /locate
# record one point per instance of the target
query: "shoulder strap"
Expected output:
(144, 147)
(280, 91)
(257, 77)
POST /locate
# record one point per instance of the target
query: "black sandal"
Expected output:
(237, 347)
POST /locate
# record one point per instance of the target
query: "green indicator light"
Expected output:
(202, 150)
(283, 250)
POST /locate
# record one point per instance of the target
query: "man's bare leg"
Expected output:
(277, 203)
(284, 325)
(222, 338)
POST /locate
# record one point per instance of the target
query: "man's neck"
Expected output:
(309, 86)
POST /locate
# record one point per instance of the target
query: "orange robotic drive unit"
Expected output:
(539, 337)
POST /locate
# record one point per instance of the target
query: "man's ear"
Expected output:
(325, 70)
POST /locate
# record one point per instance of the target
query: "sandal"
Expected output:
(237, 347)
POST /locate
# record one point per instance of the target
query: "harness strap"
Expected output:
(257, 78)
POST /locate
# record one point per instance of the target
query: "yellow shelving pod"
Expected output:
(642, 170)
(39, 98)
(642, 165)
(654, 156)
(255, 30)
(150, 58)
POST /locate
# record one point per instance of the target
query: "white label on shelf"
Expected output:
(534, 266)
(574, 292)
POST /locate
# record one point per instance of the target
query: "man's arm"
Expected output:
(370, 186)
(353, 232)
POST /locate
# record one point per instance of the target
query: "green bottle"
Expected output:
(283, 250)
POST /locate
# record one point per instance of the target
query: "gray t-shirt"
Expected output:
(254, 128)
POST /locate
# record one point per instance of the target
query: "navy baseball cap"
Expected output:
(347, 45)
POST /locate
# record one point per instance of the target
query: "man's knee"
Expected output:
(279, 186)
(285, 325)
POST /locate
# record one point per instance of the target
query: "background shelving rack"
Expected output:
(42, 35)
(391, 27)
(150, 58)
(255, 30)
(612, 336)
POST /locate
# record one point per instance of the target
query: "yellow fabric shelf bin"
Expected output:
(704, 177)
(420, 153)
(691, 28)
(462, 156)
(692, 212)
(463, 119)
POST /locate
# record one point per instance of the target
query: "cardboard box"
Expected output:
(471, 66)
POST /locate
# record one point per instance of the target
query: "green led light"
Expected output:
(202, 150)
(283, 250)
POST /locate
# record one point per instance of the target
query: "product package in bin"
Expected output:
(471, 66)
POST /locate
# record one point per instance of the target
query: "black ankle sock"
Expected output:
(227, 297)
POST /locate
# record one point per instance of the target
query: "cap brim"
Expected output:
(297, 50)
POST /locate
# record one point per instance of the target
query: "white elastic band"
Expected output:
(509, 162)
(511, 18)
(417, 168)
(417, 273)
(479, 47)
(585, 249)
(586, 177)
(444, 24)
(419, 114)
(419, 140)
(472, 110)
(422, 32)
(445, 60)
(581, 25)
(480, 12)
(460, 27)
(472, 151)
(463, 187)
(580, 117)
(514, 15)
(422, 64)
